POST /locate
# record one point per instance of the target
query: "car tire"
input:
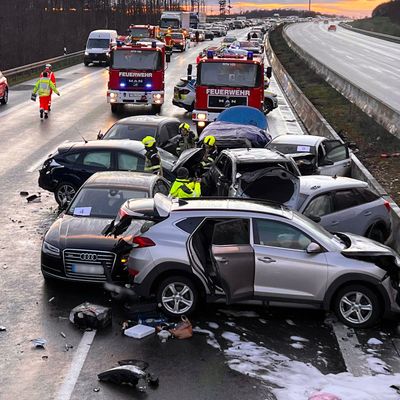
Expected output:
(377, 233)
(156, 108)
(178, 306)
(4, 100)
(65, 190)
(348, 304)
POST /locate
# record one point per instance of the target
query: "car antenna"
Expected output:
(84, 139)
(80, 134)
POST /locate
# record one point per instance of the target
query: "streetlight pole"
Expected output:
(309, 5)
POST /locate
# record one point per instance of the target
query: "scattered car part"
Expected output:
(88, 315)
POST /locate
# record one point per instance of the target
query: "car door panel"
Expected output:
(336, 153)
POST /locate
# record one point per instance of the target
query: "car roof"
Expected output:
(312, 184)
(246, 205)
(254, 155)
(308, 140)
(151, 120)
(124, 144)
(119, 179)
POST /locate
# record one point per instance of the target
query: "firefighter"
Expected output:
(52, 77)
(210, 153)
(168, 42)
(153, 159)
(183, 187)
(43, 88)
(197, 37)
(186, 139)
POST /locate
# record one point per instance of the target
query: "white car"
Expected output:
(315, 154)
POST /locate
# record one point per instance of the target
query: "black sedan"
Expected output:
(64, 172)
(139, 126)
(74, 248)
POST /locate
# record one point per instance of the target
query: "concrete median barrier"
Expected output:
(375, 108)
(26, 72)
(316, 124)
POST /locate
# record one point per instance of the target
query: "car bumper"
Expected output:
(140, 98)
(96, 57)
(45, 181)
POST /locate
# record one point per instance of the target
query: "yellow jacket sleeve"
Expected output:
(53, 87)
(36, 87)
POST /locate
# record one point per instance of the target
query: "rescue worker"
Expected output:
(52, 77)
(183, 187)
(197, 37)
(254, 35)
(153, 159)
(248, 36)
(210, 153)
(43, 88)
(168, 42)
(186, 139)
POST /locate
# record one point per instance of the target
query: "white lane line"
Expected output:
(62, 88)
(38, 164)
(67, 387)
(354, 358)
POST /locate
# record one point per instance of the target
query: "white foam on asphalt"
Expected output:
(67, 387)
(298, 339)
(213, 325)
(374, 342)
(297, 345)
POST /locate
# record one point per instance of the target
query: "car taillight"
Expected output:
(387, 205)
(141, 241)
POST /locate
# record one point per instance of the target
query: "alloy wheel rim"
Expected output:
(177, 298)
(66, 192)
(356, 307)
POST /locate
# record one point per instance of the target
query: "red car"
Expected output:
(3, 89)
(332, 28)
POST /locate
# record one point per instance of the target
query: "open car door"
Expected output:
(233, 259)
(336, 160)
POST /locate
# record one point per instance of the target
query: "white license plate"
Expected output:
(132, 94)
(87, 269)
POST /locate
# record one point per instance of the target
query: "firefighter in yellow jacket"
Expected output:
(183, 187)
(43, 88)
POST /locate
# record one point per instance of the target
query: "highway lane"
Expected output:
(26, 140)
(371, 63)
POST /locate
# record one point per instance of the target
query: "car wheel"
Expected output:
(377, 233)
(65, 191)
(4, 100)
(177, 296)
(357, 306)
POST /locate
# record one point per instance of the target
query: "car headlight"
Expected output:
(157, 96)
(113, 95)
(86, 53)
(50, 249)
(202, 117)
(108, 54)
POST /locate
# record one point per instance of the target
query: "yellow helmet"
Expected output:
(148, 141)
(184, 125)
(209, 140)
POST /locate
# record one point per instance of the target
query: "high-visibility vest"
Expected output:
(44, 86)
(184, 188)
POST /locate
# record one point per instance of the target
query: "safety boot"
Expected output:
(41, 114)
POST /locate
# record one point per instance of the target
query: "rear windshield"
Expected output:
(292, 148)
(137, 59)
(133, 132)
(98, 44)
(102, 202)
(169, 23)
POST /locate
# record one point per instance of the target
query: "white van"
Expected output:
(98, 46)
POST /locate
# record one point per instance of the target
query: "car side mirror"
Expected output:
(314, 248)
(100, 135)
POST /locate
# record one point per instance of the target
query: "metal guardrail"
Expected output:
(316, 124)
(26, 72)
(381, 112)
(378, 35)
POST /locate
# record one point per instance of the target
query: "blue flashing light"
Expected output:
(249, 55)
(210, 54)
(148, 85)
(122, 84)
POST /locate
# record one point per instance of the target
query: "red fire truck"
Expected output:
(225, 81)
(138, 32)
(136, 76)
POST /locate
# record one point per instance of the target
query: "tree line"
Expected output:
(34, 30)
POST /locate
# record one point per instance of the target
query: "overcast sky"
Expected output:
(353, 8)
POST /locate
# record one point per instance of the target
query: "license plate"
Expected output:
(132, 94)
(87, 269)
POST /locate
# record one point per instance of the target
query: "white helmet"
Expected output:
(48, 65)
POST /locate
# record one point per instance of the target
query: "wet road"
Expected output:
(370, 63)
(201, 368)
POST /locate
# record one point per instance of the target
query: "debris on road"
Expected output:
(374, 342)
(143, 365)
(34, 198)
(23, 193)
(39, 343)
(183, 329)
(2, 328)
(164, 335)
(63, 335)
(96, 389)
(51, 299)
(93, 316)
(139, 331)
(45, 358)
(67, 347)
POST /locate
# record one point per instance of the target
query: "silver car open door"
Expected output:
(233, 259)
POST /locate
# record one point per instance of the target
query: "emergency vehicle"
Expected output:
(224, 81)
(136, 75)
(138, 32)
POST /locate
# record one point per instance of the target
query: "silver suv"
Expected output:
(189, 250)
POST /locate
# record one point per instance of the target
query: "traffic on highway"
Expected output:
(171, 229)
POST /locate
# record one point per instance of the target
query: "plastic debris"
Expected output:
(143, 365)
(96, 389)
(164, 335)
(45, 358)
(23, 193)
(2, 328)
(139, 331)
(39, 343)
(33, 198)
(51, 299)
(92, 316)
(63, 335)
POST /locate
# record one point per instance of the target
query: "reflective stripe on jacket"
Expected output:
(44, 86)
(184, 188)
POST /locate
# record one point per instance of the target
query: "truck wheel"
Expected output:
(156, 108)
(115, 108)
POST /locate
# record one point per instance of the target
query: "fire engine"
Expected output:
(224, 81)
(136, 76)
(138, 32)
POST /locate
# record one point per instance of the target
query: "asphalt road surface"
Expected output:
(243, 352)
(370, 63)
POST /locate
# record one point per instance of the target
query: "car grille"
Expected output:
(87, 264)
(223, 102)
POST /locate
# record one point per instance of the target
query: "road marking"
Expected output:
(39, 163)
(354, 358)
(75, 368)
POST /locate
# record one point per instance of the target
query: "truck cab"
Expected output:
(139, 32)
